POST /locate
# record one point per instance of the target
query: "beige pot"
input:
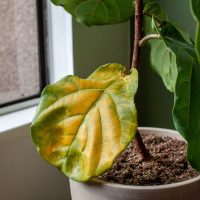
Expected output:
(101, 190)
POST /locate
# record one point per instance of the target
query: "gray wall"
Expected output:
(98, 45)
(179, 11)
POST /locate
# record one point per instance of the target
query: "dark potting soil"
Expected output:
(168, 164)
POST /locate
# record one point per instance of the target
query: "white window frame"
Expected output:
(60, 62)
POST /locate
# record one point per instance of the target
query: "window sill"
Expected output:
(16, 119)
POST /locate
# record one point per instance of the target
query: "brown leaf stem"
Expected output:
(138, 22)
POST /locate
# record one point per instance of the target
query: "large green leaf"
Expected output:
(195, 7)
(97, 12)
(81, 125)
(163, 60)
(186, 113)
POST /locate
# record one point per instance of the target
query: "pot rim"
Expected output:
(152, 187)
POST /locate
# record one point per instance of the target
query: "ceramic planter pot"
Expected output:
(101, 190)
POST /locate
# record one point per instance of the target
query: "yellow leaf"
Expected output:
(81, 125)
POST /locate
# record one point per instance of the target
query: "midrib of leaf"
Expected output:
(170, 68)
(93, 106)
(170, 64)
(85, 118)
(101, 123)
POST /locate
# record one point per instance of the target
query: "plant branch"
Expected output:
(141, 147)
(138, 32)
(147, 38)
(139, 4)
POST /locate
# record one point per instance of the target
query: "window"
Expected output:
(51, 30)
(21, 51)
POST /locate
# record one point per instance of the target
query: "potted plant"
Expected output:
(82, 126)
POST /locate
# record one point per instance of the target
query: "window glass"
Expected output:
(19, 57)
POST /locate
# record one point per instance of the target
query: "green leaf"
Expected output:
(163, 60)
(81, 125)
(186, 113)
(195, 8)
(98, 12)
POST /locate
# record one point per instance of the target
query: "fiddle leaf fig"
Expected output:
(98, 12)
(163, 62)
(186, 116)
(187, 97)
(195, 7)
(82, 124)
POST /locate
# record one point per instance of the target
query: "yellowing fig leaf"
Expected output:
(81, 125)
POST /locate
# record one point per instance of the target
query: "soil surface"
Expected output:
(168, 164)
